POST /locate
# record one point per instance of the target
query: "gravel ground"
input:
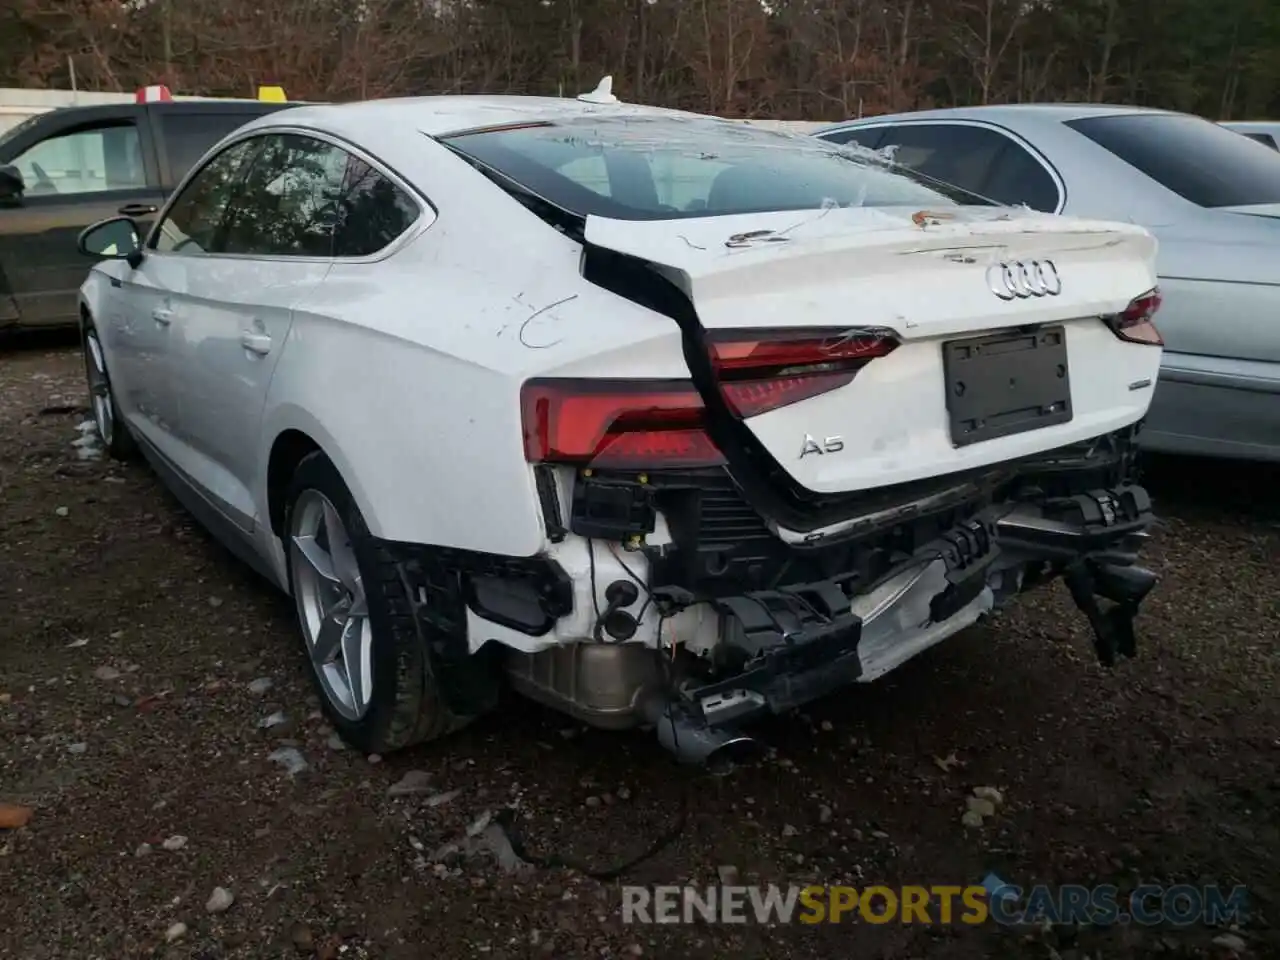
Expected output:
(134, 654)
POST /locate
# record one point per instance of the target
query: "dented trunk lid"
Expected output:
(925, 276)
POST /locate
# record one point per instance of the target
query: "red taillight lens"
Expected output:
(616, 423)
(650, 424)
(762, 370)
(1136, 323)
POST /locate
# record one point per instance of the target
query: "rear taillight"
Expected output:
(1136, 322)
(760, 371)
(651, 424)
(616, 423)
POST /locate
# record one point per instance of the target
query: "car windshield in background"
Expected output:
(643, 168)
(1200, 161)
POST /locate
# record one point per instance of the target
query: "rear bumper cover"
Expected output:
(802, 642)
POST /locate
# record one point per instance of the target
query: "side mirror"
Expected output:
(12, 185)
(115, 238)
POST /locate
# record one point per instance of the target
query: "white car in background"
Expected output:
(663, 419)
(1210, 197)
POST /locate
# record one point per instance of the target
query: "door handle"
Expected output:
(255, 342)
(137, 209)
(160, 315)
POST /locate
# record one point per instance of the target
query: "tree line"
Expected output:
(786, 59)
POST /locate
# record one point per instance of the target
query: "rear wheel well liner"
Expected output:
(287, 451)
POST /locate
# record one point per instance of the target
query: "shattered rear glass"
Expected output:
(662, 168)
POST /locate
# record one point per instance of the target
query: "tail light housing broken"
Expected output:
(1136, 323)
(652, 424)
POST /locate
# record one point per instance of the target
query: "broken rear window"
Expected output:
(630, 168)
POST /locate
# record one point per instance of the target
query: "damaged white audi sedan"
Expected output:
(663, 420)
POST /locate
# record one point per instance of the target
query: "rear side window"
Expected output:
(188, 135)
(372, 212)
(1200, 161)
(662, 168)
(1017, 177)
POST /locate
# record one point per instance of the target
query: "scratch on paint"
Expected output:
(538, 313)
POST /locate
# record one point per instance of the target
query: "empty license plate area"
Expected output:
(1007, 383)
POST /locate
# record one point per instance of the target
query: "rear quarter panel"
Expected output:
(408, 372)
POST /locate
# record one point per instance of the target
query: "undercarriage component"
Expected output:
(1126, 587)
(601, 684)
(691, 738)
(762, 624)
(1092, 540)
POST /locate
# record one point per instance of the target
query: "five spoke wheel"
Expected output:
(332, 610)
(95, 367)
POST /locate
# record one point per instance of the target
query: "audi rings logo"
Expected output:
(1020, 279)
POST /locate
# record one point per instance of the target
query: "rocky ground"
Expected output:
(186, 800)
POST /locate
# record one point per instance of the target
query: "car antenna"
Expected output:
(603, 93)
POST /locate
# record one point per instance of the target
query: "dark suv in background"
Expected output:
(63, 170)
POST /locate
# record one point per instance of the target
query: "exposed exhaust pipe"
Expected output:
(692, 741)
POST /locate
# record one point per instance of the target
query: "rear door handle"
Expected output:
(160, 315)
(255, 342)
(137, 209)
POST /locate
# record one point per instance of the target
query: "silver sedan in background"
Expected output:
(1264, 131)
(1211, 197)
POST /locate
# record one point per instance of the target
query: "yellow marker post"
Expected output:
(272, 94)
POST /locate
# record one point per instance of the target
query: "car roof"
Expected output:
(178, 106)
(439, 116)
(1060, 112)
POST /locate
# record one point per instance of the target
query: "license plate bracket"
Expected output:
(1006, 383)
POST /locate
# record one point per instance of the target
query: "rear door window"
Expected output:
(187, 136)
(287, 204)
(953, 153)
(979, 159)
(1201, 162)
(868, 137)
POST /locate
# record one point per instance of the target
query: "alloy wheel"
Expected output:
(95, 366)
(332, 612)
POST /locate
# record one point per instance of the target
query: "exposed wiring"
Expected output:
(631, 573)
(591, 561)
(506, 818)
(597, 630)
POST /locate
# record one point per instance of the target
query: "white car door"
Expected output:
(143, 334)
(234, 307)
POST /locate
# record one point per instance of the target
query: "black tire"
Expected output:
(406, 706)
(120, 445)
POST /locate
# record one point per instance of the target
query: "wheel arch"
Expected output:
(288, 450)
(294, 435)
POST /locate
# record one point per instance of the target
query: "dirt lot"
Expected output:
(129, 715)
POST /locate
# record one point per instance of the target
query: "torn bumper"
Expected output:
(793, 645)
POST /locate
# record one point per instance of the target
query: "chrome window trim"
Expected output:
(427, 211)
